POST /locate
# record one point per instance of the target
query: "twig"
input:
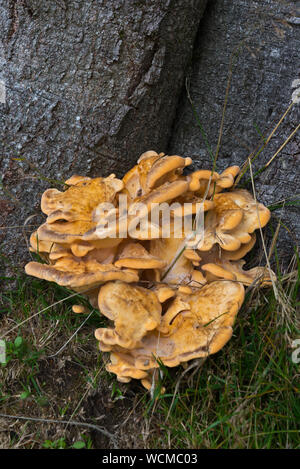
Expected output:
(73, 422)
(80, 401)
(253, 155)
(70, 338)
(282, 146)
(43, 310)
(193, 365)
(261, 234)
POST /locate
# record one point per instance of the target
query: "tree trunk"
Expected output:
(89, 86)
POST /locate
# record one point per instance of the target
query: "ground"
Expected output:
(245, 396)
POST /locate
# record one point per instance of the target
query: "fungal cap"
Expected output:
(135, 256)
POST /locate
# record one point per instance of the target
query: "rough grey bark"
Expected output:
(265, 37)
(90, 85)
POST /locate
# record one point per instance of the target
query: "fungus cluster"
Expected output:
(168, 299)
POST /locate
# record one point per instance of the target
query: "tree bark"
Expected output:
(262, 37)
(89, 86)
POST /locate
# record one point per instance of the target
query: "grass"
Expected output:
(31, 383)
(246, 396)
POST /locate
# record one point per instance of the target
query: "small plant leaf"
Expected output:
(79, 445)
(24, 395)
(18, 342)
